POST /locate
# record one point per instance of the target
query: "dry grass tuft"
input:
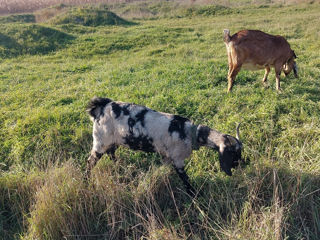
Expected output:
(12, 6)
(113, 203)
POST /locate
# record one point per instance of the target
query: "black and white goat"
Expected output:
(141, 128)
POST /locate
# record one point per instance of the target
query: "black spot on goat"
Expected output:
(116, 109)
(203, 133)
(140, 116)
(141, 142)
(177, 125)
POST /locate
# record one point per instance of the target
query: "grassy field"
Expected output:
(173, 62)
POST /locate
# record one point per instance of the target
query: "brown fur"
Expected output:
(253, 50)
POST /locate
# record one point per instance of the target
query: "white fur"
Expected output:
(109, 130)
(141, 128)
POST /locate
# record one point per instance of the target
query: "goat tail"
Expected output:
(226, 35)
(96, 106)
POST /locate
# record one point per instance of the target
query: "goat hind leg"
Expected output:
(232, 76)
(278, 70)
(265, 77)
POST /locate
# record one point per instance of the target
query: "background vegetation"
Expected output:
(170, 57)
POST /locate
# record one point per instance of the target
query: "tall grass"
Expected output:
(173, 63)
(129, 202)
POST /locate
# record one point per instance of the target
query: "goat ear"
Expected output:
(226, 159)
(232, 140)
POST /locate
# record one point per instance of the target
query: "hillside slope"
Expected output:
(175, 64)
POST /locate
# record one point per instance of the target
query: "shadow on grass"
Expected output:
(91, 17)
(309, 92)
(23, 18)
(243, 78)
(8, 43)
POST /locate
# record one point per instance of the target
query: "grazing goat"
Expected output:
(253, 50)
(141, 128)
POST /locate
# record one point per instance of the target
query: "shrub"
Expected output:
(210, 10)
(90, 17)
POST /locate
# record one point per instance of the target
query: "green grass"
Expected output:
(173, 63)
(24, 18)
(89, 17)
(32, 39)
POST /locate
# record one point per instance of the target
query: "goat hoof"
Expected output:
(279, 90)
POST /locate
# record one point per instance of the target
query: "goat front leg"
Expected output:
(184, 177)
(111, 152)
(95, 157)
(178, 165)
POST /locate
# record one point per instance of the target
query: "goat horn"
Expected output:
(238, 134)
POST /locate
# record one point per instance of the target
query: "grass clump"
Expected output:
(17, 192)
(90, 17)
(22, 18)
(210, 10)
(21, 39)
(66, 207)
(57, 202)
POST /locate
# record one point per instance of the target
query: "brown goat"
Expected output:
(253, 50)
